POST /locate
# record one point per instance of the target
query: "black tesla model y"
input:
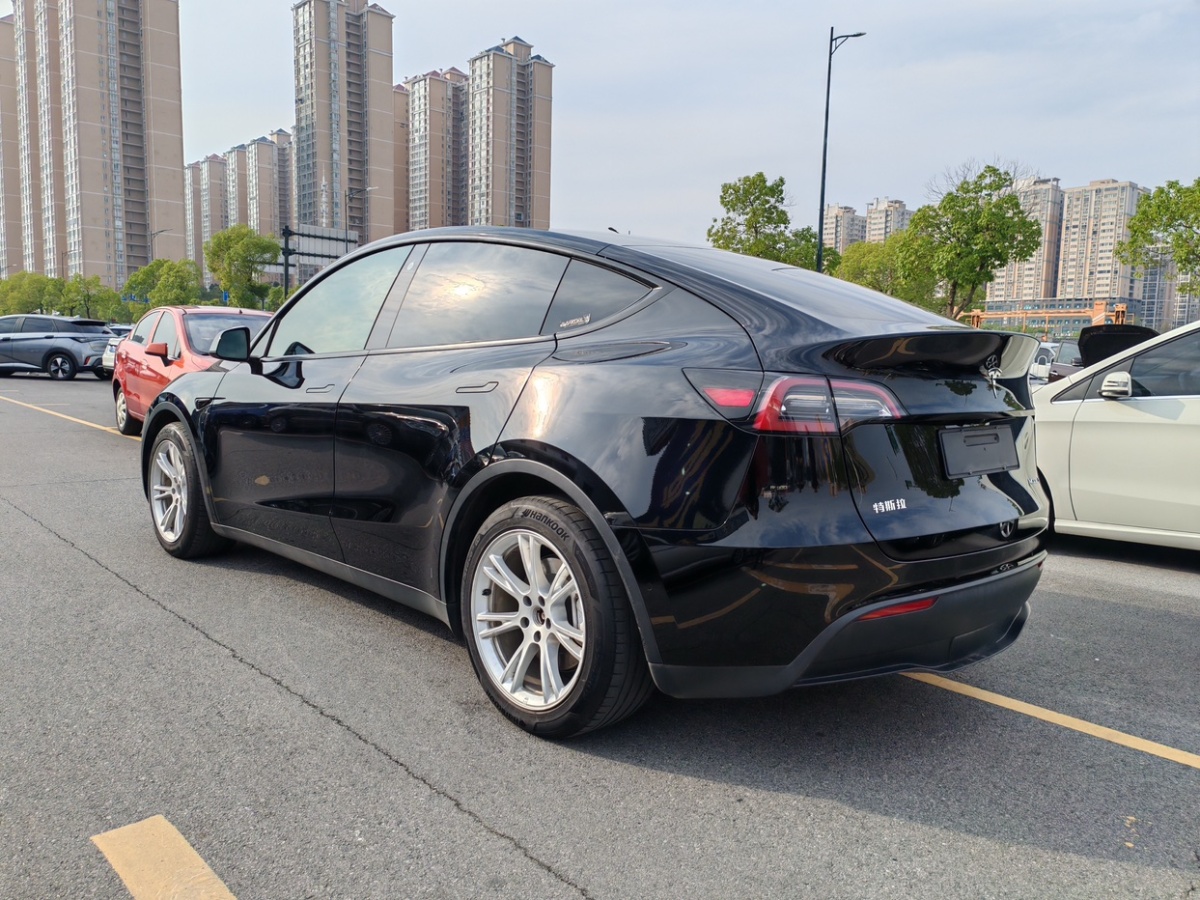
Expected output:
(615, 464)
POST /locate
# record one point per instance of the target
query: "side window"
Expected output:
(465, 292)
(141, 334)
(1168, 370)
(37, 325)
(8, 326)
(588, 294)
(335, 314)
(167, 333)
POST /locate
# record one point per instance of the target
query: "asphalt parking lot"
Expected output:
(305, 738)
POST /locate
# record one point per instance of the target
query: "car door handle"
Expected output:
(324, 389)
(477, 388)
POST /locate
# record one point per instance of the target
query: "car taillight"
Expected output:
(794, 404)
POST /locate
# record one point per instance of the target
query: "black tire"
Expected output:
(60, 366)
(126, 424)
(102, 374)
(597, 673)
(177, 510)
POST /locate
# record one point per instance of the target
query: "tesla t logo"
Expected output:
(889, 505)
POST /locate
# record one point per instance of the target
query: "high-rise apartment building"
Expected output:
(885, 217)
(344, 159)
(1095, 219)
(401, 105)
(843, 227)
(193, 199)
(237, 193)
(509, 111)
(99, 135)
(1036, 277)
(268, 182)
(437, 164)
(11, 257)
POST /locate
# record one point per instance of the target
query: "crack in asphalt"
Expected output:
(331, 717)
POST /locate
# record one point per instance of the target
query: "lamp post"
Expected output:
(835, 41)
(153, 235)
(351, 193)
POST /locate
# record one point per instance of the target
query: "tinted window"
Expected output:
(167, 333)
(37, 325)
(335, 314)
(203, 330)
(466, 292)
(1168, 370)
(8, 326)
(141, 334)
(588, 294)
(1068, 352)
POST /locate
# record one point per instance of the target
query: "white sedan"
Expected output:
(1118, 444)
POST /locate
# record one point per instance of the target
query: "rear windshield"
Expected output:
(203, 330)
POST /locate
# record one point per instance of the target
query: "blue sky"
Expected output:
(657, 103)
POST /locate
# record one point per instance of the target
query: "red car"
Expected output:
(167, 342)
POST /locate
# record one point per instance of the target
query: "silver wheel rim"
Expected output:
(58, 367)
(122, 410)
(528, 622)
(168, 491)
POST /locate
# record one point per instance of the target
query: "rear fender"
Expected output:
(530, 471)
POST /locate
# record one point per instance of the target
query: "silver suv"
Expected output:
(58, 346)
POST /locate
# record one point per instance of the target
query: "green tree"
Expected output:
(237, 257)
(28, 292)
(975, 229)
(878, 266)
(178, 284)
(1167, 223)
(757, 224)
(144, 280)
(85, 296)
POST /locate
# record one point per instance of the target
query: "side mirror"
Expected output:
(158, 349)
(1116, 386)
(233, 344)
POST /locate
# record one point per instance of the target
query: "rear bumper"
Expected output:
(967, 623)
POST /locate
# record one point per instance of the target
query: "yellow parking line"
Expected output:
(154, 860)
(1028, 709)
(50, 412)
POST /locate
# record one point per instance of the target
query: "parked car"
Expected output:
(59, 346)
(1116, 443)
(167, 342)
(613, 463)
(1039, 372)
(109, 359)
(1095, 343)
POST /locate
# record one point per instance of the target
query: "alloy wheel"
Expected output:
(528, 619)
(169, 491)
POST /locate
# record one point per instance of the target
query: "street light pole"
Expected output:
(834, 43)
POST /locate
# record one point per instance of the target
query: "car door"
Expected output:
(272, 426)
(1131, 458)
(8, 331)
(155, 372)
(129, 369)
(432, 397)
(34, 339)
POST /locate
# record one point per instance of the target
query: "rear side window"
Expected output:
(141, 334)
(335, 314)
(8, 326)
(466, 292)
(37, 325)
(588, 294)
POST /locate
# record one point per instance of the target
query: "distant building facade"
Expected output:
(885, 217)
(1042, 200)
(437, 154)
(344, 163)
(98, 136)
(843, 227)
